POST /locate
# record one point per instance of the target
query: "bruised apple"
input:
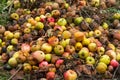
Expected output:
(38, 55)
(70, 75)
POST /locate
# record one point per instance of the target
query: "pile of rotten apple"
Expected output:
(59, 42)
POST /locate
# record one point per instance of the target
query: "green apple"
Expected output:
(90, 60)
(17, 35)
(62, 22)
(12, 62)
(105, 25)
(10, 48)
(66, 5)
(101, 67)
(47, 48)
(48, 57)
(118, 57)
(91, 33)
(97, 33)
(63, 43)
(100, 50)
(83, 53)
(35, 47)
(10, 35)
(105, 59)
(66, 34)
(39, 25)
(27, 30)
(88, 20)
(59, 50)
(116, 16)
(92, 47)
(0, 41)
(16, 54)
(78, 46)
(14, 41)
(86, 41)
(78, 20)
(95, 3)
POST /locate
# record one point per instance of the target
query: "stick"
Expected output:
(20, 67)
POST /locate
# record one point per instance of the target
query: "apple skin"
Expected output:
(51, 19)
(105, 25)
(85, 41)
(101, 67)
(10, 48)
(105, 59)
(78, 46)
(25, 47)
(90, 60)
(70, 49)
(62, 22)
(111, 54)
(48, 57)
(114, 63)
(97, 33)
(66, 55)
(95, 3)
(10, 35)
(17, 35)
(100, 50)
(118, 57)
(66, 34)
(70, 75)
(78, 20)
(47, 48)
(83, 53)
(14, 41)
(43, 64)
(50, 75)
(59, 50)
(79, 36)
(92, 47)
(53, 40)
(12, 62)
(39, 25)
(38, 55)
(59, 62)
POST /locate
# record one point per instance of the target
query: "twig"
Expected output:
(115, 72)
(20, 67)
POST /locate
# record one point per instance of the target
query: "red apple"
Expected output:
(70, 75)
(66, 55)
(51, 19)
(114, 63)
(70, 49)
(38, 55)
(25, 47)
(53, 40)
(50, 75)
(43, 64)
(59, 62)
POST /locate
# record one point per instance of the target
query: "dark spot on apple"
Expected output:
(82, 54)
